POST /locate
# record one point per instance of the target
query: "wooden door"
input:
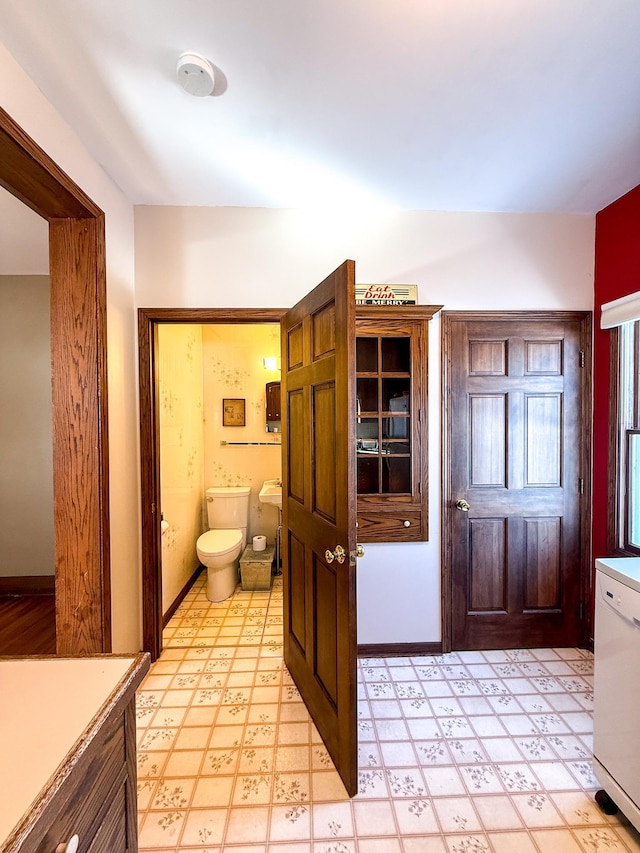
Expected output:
(516, 443)
(319, 511)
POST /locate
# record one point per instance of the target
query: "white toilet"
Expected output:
(220, 548)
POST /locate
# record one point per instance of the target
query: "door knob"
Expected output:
(353, 555)
(338, 554)
(462, 505)
(70, 847)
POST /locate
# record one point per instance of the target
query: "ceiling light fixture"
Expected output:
(195, 74)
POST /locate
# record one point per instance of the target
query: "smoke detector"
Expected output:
(195, 74)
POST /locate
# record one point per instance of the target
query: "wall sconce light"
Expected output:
(272, 362)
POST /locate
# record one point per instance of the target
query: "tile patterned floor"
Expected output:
(462, 753)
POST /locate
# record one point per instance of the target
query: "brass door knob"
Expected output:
(462, 505)
(339, 554)
(70, 847)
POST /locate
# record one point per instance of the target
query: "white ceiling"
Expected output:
(501, 105)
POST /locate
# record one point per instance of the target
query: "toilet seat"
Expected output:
(219, 542)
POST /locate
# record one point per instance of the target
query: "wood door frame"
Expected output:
(148, 321)
(77, 276)
(584, 318)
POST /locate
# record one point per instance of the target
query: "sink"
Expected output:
(271, 493)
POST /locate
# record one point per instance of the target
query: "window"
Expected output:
(627, 439)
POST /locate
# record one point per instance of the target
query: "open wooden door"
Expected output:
(319, 511)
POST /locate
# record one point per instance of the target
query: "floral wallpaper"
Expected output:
(232, 367)
(181, 453)
(198, 367)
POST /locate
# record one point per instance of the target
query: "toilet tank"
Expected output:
(227, 507)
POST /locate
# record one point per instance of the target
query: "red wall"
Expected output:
(617, 273)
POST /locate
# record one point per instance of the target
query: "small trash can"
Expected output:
(255, 568)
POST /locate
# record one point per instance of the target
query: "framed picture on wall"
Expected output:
(233, 412)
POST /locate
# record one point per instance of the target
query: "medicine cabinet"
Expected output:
(273, 407)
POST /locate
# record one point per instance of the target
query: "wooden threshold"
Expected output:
(398, 650)
(28, 585)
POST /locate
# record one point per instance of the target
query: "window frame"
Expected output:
(624, 421)
(633, 547)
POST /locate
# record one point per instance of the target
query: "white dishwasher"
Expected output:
(616, 717)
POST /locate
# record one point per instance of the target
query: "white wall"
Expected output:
(26, 104)
(236, 257)
(24, 238)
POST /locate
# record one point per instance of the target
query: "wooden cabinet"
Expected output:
(273, 401)
(73, 726)
(391, 422)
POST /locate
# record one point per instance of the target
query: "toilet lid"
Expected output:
(219, 541)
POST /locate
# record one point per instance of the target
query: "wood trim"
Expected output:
(79, 387)
(446, 587)
(398, 650)
(79, 409)
(181, 596)
(28, 585)
(584, 318)
(586, 447)
(628, 546)
(150, 488)
(613, 455)
(396, 312)
(212, 315)
(562, 316)
(30, 175)
(131, 775)
(148, 321)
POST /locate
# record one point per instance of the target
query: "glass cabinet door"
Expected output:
(383, 428)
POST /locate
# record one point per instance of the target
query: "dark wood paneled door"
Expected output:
(319, 511)
(516, 443)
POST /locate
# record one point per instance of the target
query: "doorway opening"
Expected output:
(79, 388)
(154, 408)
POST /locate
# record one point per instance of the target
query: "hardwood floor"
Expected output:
(27, 625)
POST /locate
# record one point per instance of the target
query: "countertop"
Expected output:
(623, 569)
(48, 708)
